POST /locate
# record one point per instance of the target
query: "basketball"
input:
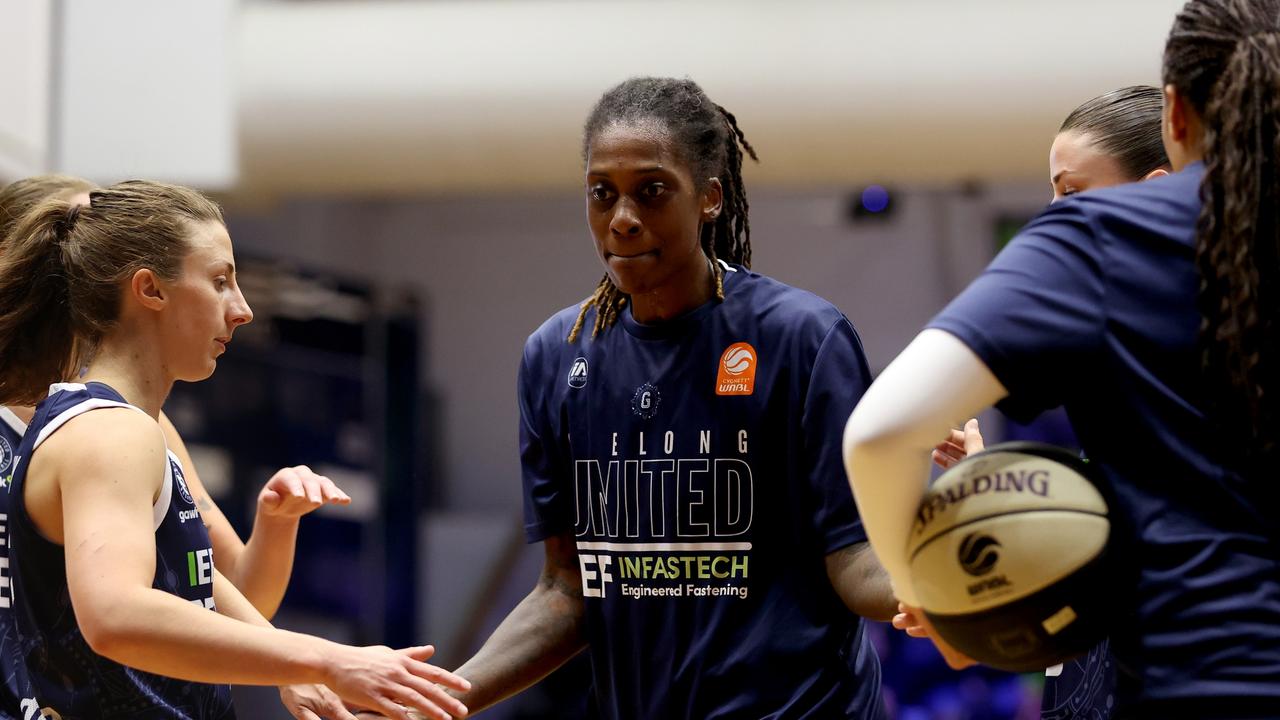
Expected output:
(1008, 556)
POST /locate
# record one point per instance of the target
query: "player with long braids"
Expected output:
(680, 449)
(1151, 311)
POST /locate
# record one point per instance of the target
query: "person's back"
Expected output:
(1110, 285)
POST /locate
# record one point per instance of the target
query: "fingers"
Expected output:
(287, 483)
(960, 443)
(334, 707)
(440, 675)
(947, 454)
(331, 493)
(910, 624)
(302, 713)
(298, 490)
(433, 696)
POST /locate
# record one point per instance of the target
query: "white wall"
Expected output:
(26, 54)
(146, 89)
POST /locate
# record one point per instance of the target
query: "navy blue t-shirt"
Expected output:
(1093, 306)
(698, 464)
(66, 674)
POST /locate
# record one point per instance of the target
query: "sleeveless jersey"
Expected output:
(13, 684)
(66, 675)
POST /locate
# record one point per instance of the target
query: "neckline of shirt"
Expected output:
(678, 326)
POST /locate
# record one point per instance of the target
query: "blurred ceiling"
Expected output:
(456, 97)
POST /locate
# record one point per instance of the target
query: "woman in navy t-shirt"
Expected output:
(679, 452)
(1149, 311)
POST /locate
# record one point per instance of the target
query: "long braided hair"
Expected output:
(708, 138)
(1224, 55)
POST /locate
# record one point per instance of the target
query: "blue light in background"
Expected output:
(875, 198)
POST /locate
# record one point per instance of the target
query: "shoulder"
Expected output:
(779, 308)
(105, 437)
(1164, 208)
(551, 340)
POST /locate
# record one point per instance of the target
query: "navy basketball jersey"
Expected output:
(1093, 306)
(698, 464)
(13, 684)
(66, 675)
(1082, 688)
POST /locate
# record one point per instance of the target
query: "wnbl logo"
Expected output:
(978, 554)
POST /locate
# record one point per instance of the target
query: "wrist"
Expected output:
(318, 660)
(271, 521)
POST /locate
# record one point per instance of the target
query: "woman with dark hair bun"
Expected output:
(1109, 140)
(1152, 312)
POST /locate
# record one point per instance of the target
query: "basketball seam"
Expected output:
(922, 545)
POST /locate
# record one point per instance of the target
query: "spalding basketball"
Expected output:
(1008, 556)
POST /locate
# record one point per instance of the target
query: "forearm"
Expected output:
(861, 582)
(262, 567)
(934, 385)
(541, 634)
(152, 630)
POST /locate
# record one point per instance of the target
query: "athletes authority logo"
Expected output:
(645, 402)
(737, 374)
(978, 554)
(182, 483)
(578, 373)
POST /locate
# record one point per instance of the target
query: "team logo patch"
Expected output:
(978, 554)
(737, 372)
(6, 456)
(578, 373)
(645, 402)
(182, 483)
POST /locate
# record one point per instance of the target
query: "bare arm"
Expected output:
(538, 636)
(861, 582)
(106, 466)
(261, 568)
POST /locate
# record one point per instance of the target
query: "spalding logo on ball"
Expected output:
(1008, 556)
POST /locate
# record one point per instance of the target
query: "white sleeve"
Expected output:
(934, 385)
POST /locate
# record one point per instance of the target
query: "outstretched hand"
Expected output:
(314, 702)
(913, 622)
(959, 445)
(396, 683)
(295, 491)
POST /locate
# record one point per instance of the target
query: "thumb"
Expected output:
(972, 437)
(422, 652)
(269, 499)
